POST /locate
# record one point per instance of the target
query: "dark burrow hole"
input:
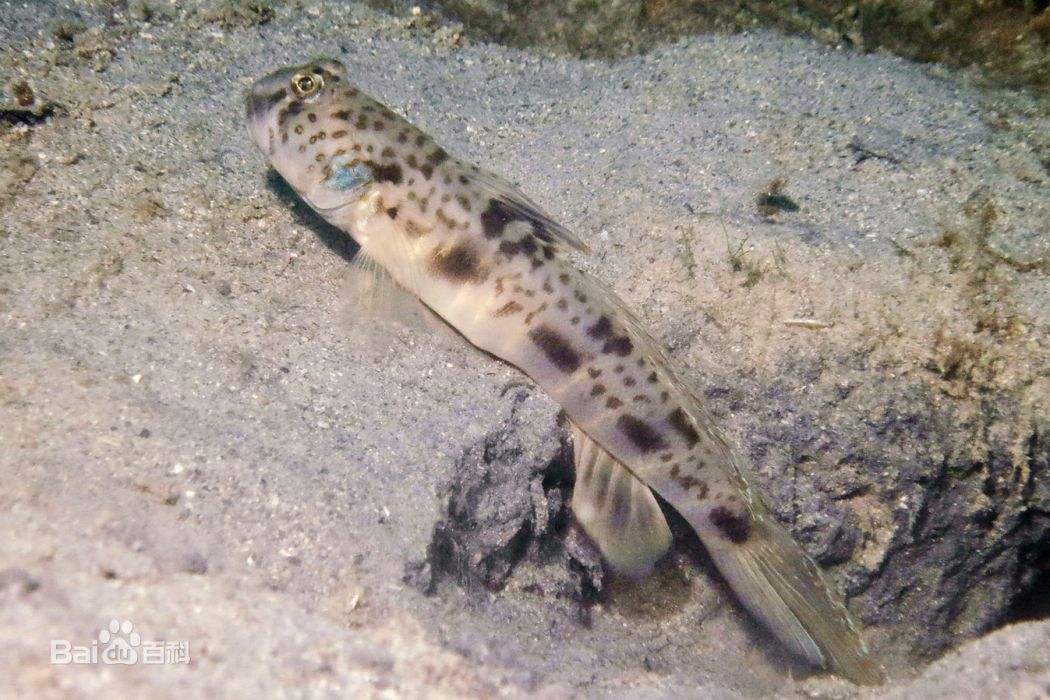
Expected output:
(1033, 600)
(508, 507)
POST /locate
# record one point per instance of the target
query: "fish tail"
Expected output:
(782, 586)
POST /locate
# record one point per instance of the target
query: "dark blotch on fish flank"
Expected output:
(602, 328)
(437, 157)
(680, 422)
(495, 218)
(526, 245)
(541, 232)
(392, 212)
(620, 346)
(385, 173)
(642, 435)
(733, 527)
(457, 264)
(555, 348)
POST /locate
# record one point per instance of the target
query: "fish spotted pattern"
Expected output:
(493, 265)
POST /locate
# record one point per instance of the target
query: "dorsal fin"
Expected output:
(496, 188)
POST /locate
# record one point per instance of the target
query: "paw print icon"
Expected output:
(120, 643)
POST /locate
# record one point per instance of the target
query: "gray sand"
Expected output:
(196, 437)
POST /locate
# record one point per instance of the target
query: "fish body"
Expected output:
(493, 265)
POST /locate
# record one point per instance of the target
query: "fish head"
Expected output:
(298, 116)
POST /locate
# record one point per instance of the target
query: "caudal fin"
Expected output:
(783, 588)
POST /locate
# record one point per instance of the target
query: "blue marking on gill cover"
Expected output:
(348, 178)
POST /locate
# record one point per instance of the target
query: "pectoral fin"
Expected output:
(616, 509)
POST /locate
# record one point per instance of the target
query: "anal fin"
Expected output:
(616, 509)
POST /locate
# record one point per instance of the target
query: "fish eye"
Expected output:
(304, 85)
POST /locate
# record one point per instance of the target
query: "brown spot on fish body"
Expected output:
(463, 202)
(458, 263)
(343, 114)
(688, 482)
(445, 219)
(437, 156)
(427, 169)
(387, 152)
(556, 348)
(642, 435)
(598, 390)
(734, 527)
(613, 403)
(511, 307)
(562, 304)
(415, 230)
(594, 372)
(362, 123)
(681, 424)
(532, 314)
(288, 112)
(392, 212)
